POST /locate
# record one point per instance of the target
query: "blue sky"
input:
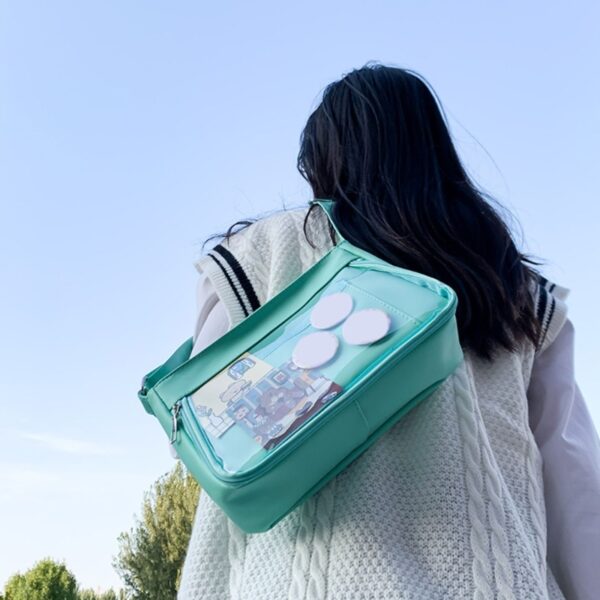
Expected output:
(130, 131)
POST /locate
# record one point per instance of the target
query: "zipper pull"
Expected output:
(175, 421)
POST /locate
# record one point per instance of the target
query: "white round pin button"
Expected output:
(315, 349)
(366, 326)
(331, 310)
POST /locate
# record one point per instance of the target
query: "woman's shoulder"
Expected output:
(261, 259)
(281, 229)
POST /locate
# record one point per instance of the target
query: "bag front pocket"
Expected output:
(300, 373)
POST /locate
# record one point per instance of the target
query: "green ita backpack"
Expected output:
(267, 414)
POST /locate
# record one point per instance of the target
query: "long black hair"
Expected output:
(379, 146)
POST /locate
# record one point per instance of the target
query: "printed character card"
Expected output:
(268, 402)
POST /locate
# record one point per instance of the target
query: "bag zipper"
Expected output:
(175, 421)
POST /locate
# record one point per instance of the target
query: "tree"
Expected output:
(46, 580)
(92, 595)
(151, 554)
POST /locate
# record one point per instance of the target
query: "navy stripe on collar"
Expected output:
(232, 285)
(240, 274)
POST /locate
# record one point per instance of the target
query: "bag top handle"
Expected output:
(327, 205)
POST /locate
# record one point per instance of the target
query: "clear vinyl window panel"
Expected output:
(283, 383)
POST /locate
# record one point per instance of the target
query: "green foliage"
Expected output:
(92, 595)
(51, 580)
(151, 554)
(46, 580)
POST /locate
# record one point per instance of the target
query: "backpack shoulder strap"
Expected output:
(328, 206)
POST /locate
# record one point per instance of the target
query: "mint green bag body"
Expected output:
(285, 400)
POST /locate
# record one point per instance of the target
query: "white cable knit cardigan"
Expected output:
(447, 504)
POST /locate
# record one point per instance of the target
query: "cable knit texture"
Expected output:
(448, 504)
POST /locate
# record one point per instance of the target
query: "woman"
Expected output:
(488, 489)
